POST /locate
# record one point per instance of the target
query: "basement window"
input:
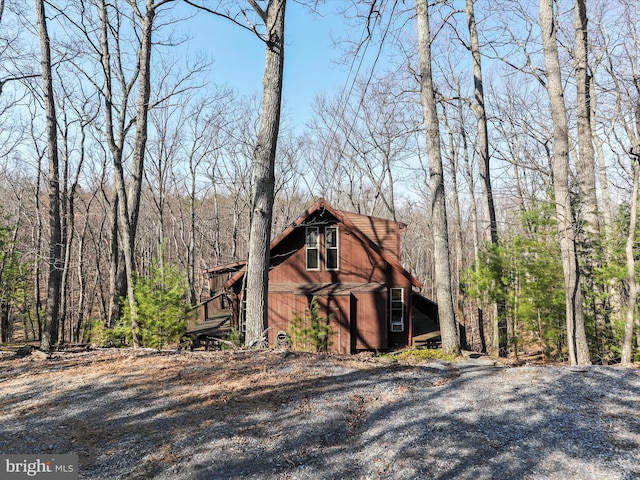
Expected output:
(396, 309)
(312, 244)
(331, 248)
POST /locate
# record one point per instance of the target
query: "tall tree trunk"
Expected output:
(586, 155)
(142, 111)
(457, 226)
(117, 274)
(446, 311)
(586, 176)
(490, 227)
(490, 230)
(191, 249)
(627, 343)
(117, 278)
(576, 336)
(83, 311)
(264, 164)
(634, 153)
(128, 203)
(50, 330)
(38, 246)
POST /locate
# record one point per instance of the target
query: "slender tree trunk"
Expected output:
(117, 274)
(50, 330)
(446, 311)
(38, 242)
(576, 336)
(264, 160)
(457, 230)
(586, 176)
(614, 301)
(142, 112)
(490, 228)
(191, 249)
(586, 155)
(117, 278)
(6, 334)
(82, 283)
(128, 204)
(64, 225)
(627, 344)
(631, 320)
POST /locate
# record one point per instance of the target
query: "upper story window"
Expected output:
(312, 244)
(331, 248)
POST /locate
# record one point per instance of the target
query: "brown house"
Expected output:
(350, 263)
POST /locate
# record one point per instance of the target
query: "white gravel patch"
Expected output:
(468, 420)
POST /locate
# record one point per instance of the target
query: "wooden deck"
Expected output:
(209, 332)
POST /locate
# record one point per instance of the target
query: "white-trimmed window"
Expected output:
(331, 248)
(396, 309)
(312, 244)
(243, 313)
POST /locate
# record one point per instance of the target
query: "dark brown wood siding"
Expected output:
(382, 232)
(358, 321)
(371, 321)
(357, 264)
(283, 307)
(361, 321)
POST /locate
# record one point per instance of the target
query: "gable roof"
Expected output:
(322, 205)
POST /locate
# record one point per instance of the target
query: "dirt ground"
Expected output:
(273, 414)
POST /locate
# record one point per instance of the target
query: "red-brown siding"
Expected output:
(382, 232)
(355, 296)
(357, 263)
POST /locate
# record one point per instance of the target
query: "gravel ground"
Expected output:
(274, 415)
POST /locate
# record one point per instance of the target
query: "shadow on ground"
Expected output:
(215, 415)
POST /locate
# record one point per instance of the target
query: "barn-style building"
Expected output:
(350, 263)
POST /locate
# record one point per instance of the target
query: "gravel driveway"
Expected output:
(274, 415)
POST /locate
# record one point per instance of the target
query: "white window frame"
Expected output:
(309, 247)
(243, 313)
(327, 249)
(394, 324)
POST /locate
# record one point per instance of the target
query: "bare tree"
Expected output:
(203, 126)
(50, 330)
(446, 312)
(271, 17)
(478, 107)
(627, 343)
(490, 226)
(264, 166)
(585, 165)
(126, 203)
(576, 336)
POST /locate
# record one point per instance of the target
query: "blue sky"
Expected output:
(310, 67)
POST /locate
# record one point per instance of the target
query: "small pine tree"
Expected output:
(311, 332)
(162, 304)
(15, 291)
(524, 273)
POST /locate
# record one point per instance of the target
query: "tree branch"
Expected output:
(250, 27)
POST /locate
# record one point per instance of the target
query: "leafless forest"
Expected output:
(122, 142)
